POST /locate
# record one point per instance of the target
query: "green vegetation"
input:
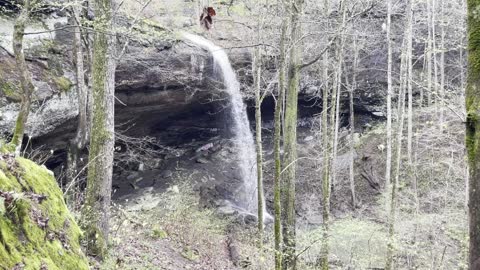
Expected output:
(10, 90)
(63, 84)
(36, 228)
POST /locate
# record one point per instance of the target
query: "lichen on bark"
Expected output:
(96, 211)
(472, 140)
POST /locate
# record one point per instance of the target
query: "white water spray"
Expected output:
(241, 127)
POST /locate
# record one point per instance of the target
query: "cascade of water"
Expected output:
(241, 127)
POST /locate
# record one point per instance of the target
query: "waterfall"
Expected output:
(244, 141)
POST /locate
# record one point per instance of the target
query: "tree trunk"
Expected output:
(258, 142)
(79, 141)
(409, 37)
(442, 64)
(398, 152)
(429, 54)
(290, 158)
(472, 102)
(277, 142)
(326, 161)
(99, 180)
(25, 77)
(404, 76)
(388, 169)
(352, 123)
(434, 55)
(81, 135)
(338, 89)
(331, 148)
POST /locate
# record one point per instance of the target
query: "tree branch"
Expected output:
(131, 29)
(313, 61)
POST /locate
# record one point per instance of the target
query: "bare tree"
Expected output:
(352, 88)
(290, 158)
(99, 180)
(326, 158)
(442, 64)
(429, 50)
(389, 259)
(257, 74)
(472, 100)
(277, 204)
(388, 161)
(434, 52)
(80, 140)
(25, 76)
(409, 38)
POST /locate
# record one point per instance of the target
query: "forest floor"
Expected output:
(171, 231)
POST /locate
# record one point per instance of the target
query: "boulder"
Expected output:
(36, 229)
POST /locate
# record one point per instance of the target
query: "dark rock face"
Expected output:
(168, 91)
(154, 83)
(157, 83)
(162, 66)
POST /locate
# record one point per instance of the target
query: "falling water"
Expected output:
(241, 127)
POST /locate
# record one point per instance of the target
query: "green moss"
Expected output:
(22, 238)
(159, 233)
(10, 90)
(4, 147)
(63, 83)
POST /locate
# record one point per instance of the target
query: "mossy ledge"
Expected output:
(36, 229)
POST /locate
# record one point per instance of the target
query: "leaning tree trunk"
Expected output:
(99, 180)
(25, 77)
(472, 102)
(289, 230)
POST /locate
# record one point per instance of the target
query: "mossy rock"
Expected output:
(36, 229)
(63, 84)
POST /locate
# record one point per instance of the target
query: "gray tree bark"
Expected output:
(258, 142)
(388, 169)
(99, 180)
(353, 86)
(26, 84)
(326, 161)
(277, 202)
(409, 37)
(80, 139)
(290, 157)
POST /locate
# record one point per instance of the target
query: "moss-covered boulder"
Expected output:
(36, 229)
